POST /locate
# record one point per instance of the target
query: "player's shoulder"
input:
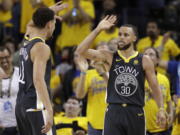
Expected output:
(40, 50)
(41, 47)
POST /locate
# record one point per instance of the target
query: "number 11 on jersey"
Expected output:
(21, 73)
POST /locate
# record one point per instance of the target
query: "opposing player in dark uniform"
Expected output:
(34, 111)
(127, 72)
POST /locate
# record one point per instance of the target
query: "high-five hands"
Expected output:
(59, 6)
(107, 22)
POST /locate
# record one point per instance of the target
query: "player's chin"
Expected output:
(121, 44)
(120, 47)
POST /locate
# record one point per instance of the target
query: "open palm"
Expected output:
(107, 22)
(59, 6)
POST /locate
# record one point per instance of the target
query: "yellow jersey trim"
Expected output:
(34, 38)
(127, 59)
(26, 37)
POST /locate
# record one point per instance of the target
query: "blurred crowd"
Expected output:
(79, 89)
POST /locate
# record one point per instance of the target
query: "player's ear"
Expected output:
(48, 25)
(134, 38)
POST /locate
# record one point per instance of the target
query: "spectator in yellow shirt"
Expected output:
(5, 11)
(176, 126)
(77, 21)
(154, 39)
(27, 9)
(6, 26)
(71, 121)
(93, 82)
(151, 108)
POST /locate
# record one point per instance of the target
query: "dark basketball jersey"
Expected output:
(27, 92)
(126, 80)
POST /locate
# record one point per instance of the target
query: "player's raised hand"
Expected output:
(59, 6)
(107, 22)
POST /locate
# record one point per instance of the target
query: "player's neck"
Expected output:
(129, 52)
(39, 33)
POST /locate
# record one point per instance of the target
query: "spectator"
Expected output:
(154, 39)
(77, 21)
(8, 92)
(65, 63)
(6, 16)
(93, 82)
(72, 114)
(151, 108)
(27, 9)
(173, 68)
(176, 126)
(10, 43)
(65, 86)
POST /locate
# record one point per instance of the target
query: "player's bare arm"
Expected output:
(40, 54)
(156, 92)
(97, 55)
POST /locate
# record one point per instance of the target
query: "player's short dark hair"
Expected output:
(3, 48)
(134, 28)
(42, 16)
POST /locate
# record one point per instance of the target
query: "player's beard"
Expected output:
(124, 47)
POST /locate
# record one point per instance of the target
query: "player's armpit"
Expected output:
(99, 55)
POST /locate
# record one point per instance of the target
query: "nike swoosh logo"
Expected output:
(117, 60)
(140, 114)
